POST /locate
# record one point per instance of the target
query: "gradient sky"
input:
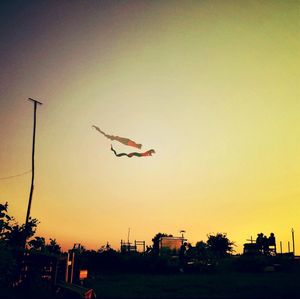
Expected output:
(212, 86)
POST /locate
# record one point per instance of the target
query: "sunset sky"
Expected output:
(212, 86)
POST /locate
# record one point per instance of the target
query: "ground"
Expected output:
(232, 285)
(220, 285)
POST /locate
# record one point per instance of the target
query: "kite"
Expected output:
(123, 140)
(145, 154)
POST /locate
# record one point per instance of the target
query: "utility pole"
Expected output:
(293, 241)
(35, 102)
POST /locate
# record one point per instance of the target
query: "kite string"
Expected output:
(16, 175)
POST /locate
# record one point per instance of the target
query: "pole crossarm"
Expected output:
(35, 101)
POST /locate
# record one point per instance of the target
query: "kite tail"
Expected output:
(121, 154)
(145, 154)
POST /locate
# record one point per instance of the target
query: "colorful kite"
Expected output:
(145, 154)
(123, 140)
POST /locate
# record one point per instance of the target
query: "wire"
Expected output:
(14, 176)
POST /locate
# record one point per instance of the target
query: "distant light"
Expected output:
(83, 274)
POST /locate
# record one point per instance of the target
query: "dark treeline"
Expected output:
(12, 245)
(210, 256)
(106, 259)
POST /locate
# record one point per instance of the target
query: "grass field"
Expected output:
(218, 285)
(225, 281)
(232, 285)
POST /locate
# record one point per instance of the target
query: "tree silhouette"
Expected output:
(53, 247)
(219, 244)
(12, 236)
(201, 249)
(38, 244)
(4, 221)
(11, 233)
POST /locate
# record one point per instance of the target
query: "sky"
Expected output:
(212, 86)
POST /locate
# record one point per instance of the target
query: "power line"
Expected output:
(16, 175)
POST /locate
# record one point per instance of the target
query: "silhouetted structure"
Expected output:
(264, 245)
(129, 247)
(272, 244)
(171, 243)
(72, 269)
(293, 240)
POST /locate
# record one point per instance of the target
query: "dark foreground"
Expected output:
(217, 285)
(232, 285)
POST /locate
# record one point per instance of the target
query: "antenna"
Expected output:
(128, 235)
